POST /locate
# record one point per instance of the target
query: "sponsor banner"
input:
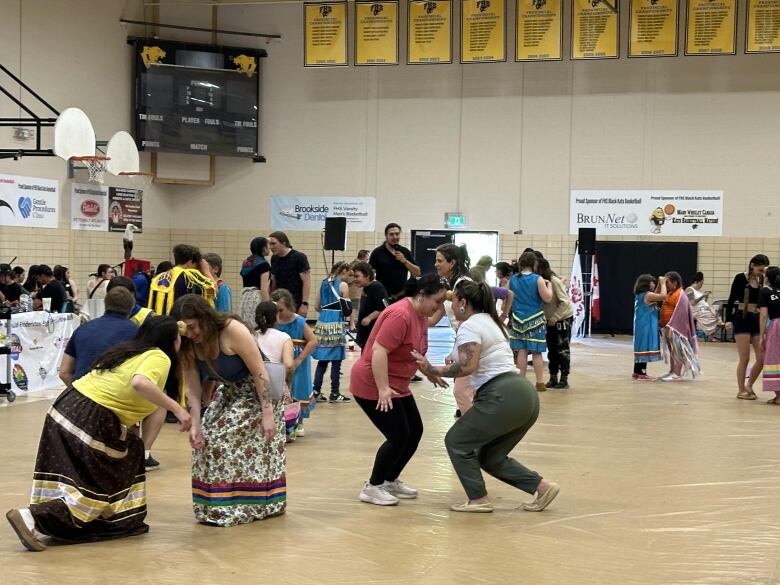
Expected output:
(429, 35)
(482, 31)
(309, 213)
(89, 207)
(325, 34)
(647, 213)
(29, 201)
(376, 33)
(653, 28)
(125, 206)
(539, 30)
(595, 30)
(711, 27)
(38, 340)
(763, 26)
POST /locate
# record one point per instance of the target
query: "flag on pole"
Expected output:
(577, 297)
(595, 305)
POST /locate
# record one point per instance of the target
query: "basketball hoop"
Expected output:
(138, 177)
(96, 165)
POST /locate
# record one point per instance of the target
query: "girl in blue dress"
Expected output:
(331, 332)
(647, 339)
(304, 343)
(528, 331)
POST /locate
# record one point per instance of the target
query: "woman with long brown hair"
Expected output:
(238, 459)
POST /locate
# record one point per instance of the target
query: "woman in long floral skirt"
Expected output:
(238, 459)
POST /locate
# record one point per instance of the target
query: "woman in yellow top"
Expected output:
(89, 482)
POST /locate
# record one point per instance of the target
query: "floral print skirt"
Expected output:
(238, 476)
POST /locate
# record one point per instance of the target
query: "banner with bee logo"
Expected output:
(595, 29)
(647, 213)
(376, 33)
(652, 28)
(482, 31)
(429, 37)
(763, 26)
(711, 27)
(539, 30)
(325, 34)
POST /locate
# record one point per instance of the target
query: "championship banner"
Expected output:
(125, 206)
(763, 26)
(539, 30)
(429, 35)
(711, 27)
(595, 30)
(89, 207)
(647, 213)
(38, 340)
(482, 31)
(652, 30)
(325, 34)
(29, 202)
(308, 213)
(376, 33)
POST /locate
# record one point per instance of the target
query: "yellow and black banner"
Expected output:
(652, 30)
(711, 27)
(538, 30)
(429, 33)
(595, 29)
(763, 26)
(482, 31)
(325, 34)
(376, 33)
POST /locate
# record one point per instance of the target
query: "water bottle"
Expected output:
(25, 301)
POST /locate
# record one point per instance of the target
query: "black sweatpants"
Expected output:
(402, 428)
(558, 352)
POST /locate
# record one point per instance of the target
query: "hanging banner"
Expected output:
(38, 340)
(308, 213)
(376, 33)
(325, 34)
(652, 30)
(429, 35)
(643, 213)
(89, 207)
(538, 30)
(125, 206)
(711, 27)
(482, 31)
(763, 26)
(29, 202)
(595, 30)
(577, 297)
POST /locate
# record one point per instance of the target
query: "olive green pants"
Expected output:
(505, 408)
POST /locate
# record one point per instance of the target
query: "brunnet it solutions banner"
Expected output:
(647, 213)
(308, 214)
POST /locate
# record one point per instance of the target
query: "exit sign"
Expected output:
(454, 220)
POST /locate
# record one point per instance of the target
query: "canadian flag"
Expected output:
(595, 308)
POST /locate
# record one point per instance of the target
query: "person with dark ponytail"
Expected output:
(505, 407)
(379, 383)
(256, 279)
(769, 324)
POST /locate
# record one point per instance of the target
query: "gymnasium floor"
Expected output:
(660, 484)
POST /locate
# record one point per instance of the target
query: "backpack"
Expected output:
(161, 289)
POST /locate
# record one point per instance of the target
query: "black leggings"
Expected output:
(403, 429)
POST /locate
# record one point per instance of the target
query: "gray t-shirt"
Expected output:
(495, 355)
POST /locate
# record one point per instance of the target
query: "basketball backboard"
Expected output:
(73, 134)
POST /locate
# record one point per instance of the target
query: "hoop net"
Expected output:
(96, 165)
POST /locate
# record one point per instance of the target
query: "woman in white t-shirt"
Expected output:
(505, 407)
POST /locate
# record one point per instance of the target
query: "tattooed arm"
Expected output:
(468, 360)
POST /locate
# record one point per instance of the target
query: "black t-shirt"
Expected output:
(739, 287)
(373, 299)
(287, 270)
(12, 291)
(56, 292)
(252, 278)
(770, 298)
(389, 271)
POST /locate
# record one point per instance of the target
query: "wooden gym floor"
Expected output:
(660, 484)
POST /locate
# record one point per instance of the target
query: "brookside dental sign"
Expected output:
(647, 213)
(309, 213)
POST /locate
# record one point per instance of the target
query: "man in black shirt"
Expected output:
(290, 270)
(392, 262)
(51, 289)
(10, 290)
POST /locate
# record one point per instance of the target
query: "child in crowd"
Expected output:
(224, 301)
(678, 329)
(304, 343)
(647, 341)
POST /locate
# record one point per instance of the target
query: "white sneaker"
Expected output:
(399, 490)
(300, 431)
(376, 494)
(670, 377)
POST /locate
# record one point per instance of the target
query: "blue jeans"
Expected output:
(335, 373)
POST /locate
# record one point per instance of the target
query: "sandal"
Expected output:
(747, 396)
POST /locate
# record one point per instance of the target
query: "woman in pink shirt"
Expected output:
(380, 385)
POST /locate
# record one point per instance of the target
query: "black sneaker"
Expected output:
(416, 378)
(339, 398)
(552, 382)
(151, 463)
(319, 397)
(563, 384)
